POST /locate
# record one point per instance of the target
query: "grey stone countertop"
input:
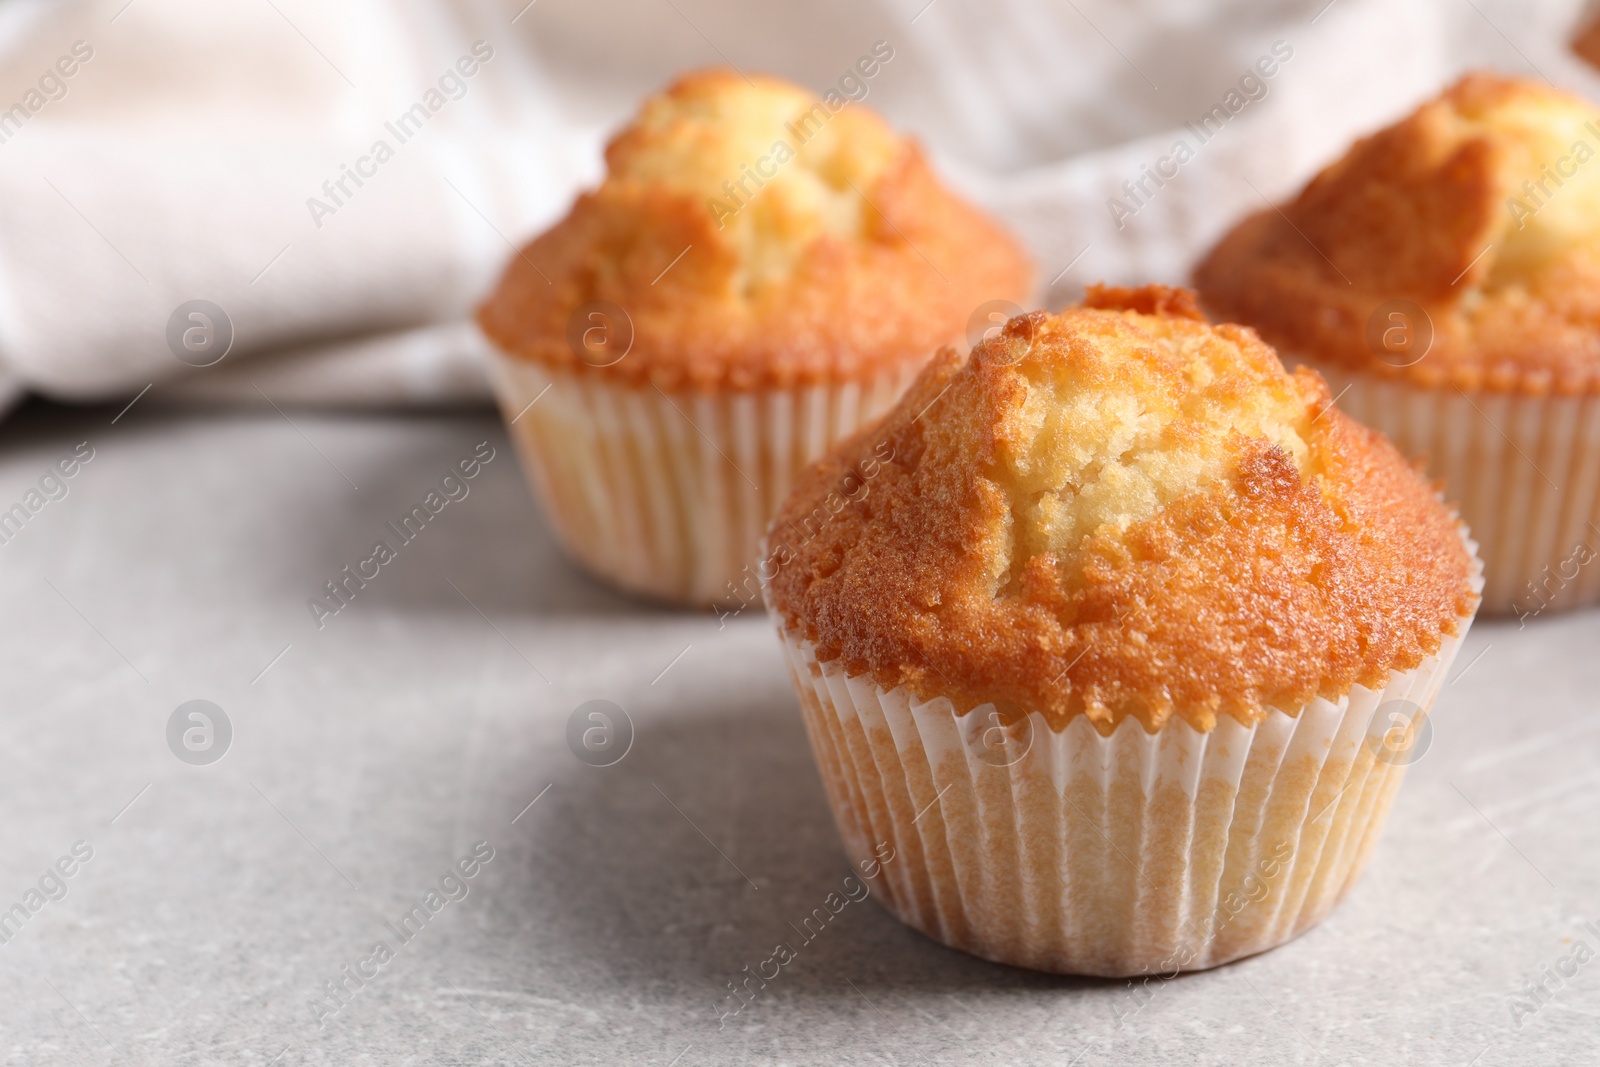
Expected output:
(369, 757)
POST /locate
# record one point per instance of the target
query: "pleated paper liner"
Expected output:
(1523, 469)
(1131, 854)
(668, 494)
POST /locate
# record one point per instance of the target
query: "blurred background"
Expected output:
(184, 156)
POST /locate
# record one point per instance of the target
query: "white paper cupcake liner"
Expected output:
(1131, 854)
(668, 494)
(1523, 470)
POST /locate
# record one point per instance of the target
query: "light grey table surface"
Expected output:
(427, 715)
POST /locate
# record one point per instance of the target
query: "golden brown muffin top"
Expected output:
(1119, 510)
(815, 246)
(1479, 213)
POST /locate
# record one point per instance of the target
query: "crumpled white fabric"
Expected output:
(178, 161)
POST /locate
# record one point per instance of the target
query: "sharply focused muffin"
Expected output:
(1445, 278)
(760, 272)
(1117, 633)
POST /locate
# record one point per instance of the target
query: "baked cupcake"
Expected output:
(1118, 643)
(760, 273)
(1444, 276)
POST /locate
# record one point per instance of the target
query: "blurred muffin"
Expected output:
(1586, 43)
(757, 276)
(1122, 645)
(1444, 276)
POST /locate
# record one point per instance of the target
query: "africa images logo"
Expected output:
(1252, 88)
(452, 886)
(342, 589)
(853, 87)
(451, 85)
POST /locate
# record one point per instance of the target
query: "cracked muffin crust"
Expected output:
(816, 246)
(1120, 510)
(1482, 208)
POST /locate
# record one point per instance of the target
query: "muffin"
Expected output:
(1120, 642)
(1586, 43)
(759, 274)
(1444, 276)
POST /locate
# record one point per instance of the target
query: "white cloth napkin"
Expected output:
(179, 159)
